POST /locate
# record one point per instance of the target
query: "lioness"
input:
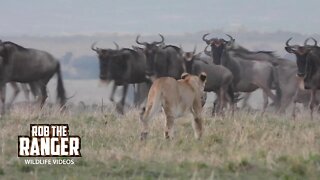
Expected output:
(176, 97)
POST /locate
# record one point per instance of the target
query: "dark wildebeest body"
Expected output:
(248, 75)
(162, 61)
(124, 67)
(26, 65)
(219, 78)
(127, 66)
(308, 63)
(289, 84)
(122, 72)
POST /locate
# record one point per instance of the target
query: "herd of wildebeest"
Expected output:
(233, 72)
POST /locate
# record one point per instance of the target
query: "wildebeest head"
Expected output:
(2, 67)
(3, 50)
(150, 51)
(104, 56)
(188, 58)
(206, 52)
(301, 53)
(217, 46)
(3, 59)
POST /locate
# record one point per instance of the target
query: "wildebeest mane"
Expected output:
(199, 59)
(240, 49)
(174, 47)
(267, 52)
(131, 51)
(16, 45)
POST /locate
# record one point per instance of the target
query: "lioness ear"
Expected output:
(184, 75)
(203, 76)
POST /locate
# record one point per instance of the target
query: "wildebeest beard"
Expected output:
(217, 53)
(310, 71)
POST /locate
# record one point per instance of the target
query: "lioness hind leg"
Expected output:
(197, 121)
(169, 131)
(144, 121)
(197, 127)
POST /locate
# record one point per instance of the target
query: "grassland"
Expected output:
(244, 147)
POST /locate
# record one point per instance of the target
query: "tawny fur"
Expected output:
(176, 97)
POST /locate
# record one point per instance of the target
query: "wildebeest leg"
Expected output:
(203, 98)
(16, 91)
(265, 103)
(295, 98)
(268, 92)
(34, 87)
(221, 99)
(312, 102)
(3, 99)
(120, 108)
(136, 90)
(215, 105)
(294, 110)
(231, 102)
(142, 93)
(245, 100)
(114, 88)
(285, 101)
(44, 95)
(26, 91)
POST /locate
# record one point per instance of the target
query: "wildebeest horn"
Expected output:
(117, 46)
(287, 43)
(204, 38)
(194, 50)
(306, 41)
(159, 42)
(137, 41)
(231, 38)
(94, 49)
(206, 51)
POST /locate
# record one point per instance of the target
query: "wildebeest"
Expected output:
(286, 76)
(290, 86)
(263, 56)
(219, 78)
(162, 61)
(308, 63)
(123, 66)
(248, 75)
(26, 65)
(104, 58)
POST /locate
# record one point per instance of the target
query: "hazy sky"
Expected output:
(60, 17)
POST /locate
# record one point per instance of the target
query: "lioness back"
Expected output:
(175, 96)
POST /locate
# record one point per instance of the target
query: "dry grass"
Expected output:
(244, 147)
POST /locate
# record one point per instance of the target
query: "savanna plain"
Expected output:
(245, 146)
